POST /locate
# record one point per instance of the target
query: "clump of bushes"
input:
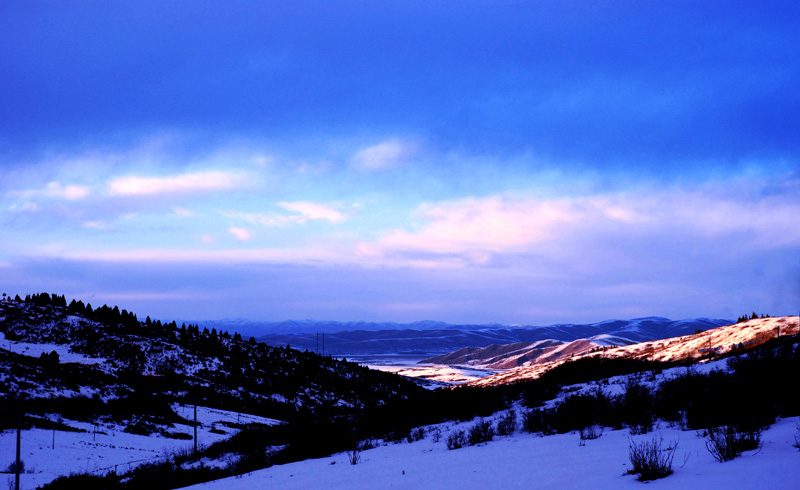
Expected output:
(507, 423)
(12, 467)
(368, 443)
(481, 431)
(537, 421)
(140, 428)
(416, 435)
(637, 407)
(180, 435)
(456, 439)
(651, 460)
(727, 443)
(589, 433)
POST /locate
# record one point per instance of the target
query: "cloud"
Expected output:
(181, 212)
(385, 155)
(475, 225)
(306, 211)
(210, 181)
(97, 225)
(312, 211)
(241, 234)
(289, 255)
(55, 190)
(27, 206)
(477, 230)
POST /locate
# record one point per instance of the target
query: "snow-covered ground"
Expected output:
(36, 350)
(718, 340)
(442, 375)
(525, 461)
(108, 448)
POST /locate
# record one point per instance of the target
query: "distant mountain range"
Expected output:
(428, 339)
(256, 329)
(709, 344)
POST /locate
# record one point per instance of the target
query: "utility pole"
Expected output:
(18, 465)
(195, 425)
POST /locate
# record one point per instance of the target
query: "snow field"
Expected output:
(110, 449)
(528, 461)
(36, 350)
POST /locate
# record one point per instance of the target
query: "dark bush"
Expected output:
(12, 467)
(507, 423)
(637, 407)
(581, 410)
(456, 439)
(481, 431)
(589, 433)
(538, 421)
(139, 428)
(177, 435)
(650, 459)
(354, 455)
(727, 443)
(416, 435)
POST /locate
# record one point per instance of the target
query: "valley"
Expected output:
(113, 399)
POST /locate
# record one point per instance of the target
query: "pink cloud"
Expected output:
(241, 234)
(182, 183)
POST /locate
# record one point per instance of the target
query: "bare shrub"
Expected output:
(481, 431)
(354, 456)
(368, 444)
(589, 433)
(507, 423)
(436, 434)
(416, 435)
(456, 439)
(537, 420)
(12, 467)
(641, 428)
(727, 443)
(797, 437)
(651, 460)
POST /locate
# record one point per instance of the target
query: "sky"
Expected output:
(515, 162)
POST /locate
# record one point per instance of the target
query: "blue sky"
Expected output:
(515, 162)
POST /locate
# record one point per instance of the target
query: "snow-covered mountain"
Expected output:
(706, 344)
(436, 339)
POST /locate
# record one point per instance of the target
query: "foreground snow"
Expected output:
(107, 448)
(525, 461)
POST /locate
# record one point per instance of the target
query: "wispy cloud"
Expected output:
(54, 190)
(312, 211)
(305, 211)
(241, 234)
(385, 155)
(181, 212)
(215, 180)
